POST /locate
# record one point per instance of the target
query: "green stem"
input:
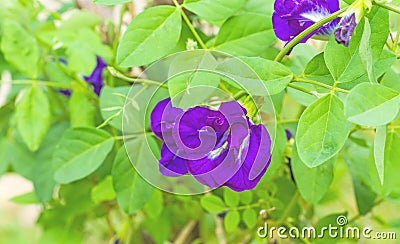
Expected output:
(302, 89)
(192, 29)
(43, 83)
(119, 75)
(303, 80)
(306, 32)
(387, 6)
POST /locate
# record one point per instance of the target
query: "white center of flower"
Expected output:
(316, 14)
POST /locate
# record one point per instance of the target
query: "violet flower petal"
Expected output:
(346, 29)
(291, 17)
(170, 164)
(96, 77)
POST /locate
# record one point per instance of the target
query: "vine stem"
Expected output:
(387, 6)
(306, 32)
(119, 75)
(304, 80)
(192, 29)
(43, 83)
(302, 89)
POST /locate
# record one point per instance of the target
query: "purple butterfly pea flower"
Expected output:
(217, 147)
(96, 77)
(291, 17)
(346, 29)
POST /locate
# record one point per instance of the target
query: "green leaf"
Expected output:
(212, 204)
(246, 197)
(150, 36)
(231, 221)
(3, 157)
(331, 221)
(365, 51)
(275, 75)
(313, 183)
(372, 105)
(250, 217)
(256, 76)
(42, 172)
(355, 156)
(231, 198)
(317, 70)
(259, 7)
(392, 154)
(104, 191)
(379, 22)
(379, 151)
(214, 10)
(322, 131)
(111, 2)
(245, 35)
(154, 206)
(82, 109)
(192, 81)
(80, 152)
(27, 198)
(19, 48)
(343, 62)
(34, 117)
(132, 190)
(112, 101)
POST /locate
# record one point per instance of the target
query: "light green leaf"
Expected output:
(231, 198)
(19, 48)
(214, 10)
(104, 191)
(112, 101)
(313, 183)
(43, 170)
(392, 153)
(275, 75)
(379, 151)
(34, 117)
(250, 217)
(379, 22)
(150, 36)
(154, 206)
(27, 198)
(365, 51)
(80, 152)
(132, 190)
(192, 81)
(231, 221)
(82, 110)
(246, 197)
(322, 131)
(245, 35)
(372, 105)
(343, 62)
(212, 204)
(316, 70)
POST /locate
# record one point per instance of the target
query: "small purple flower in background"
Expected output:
(346, 29)
(291, 17)
(217, 147)
(96, 77)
